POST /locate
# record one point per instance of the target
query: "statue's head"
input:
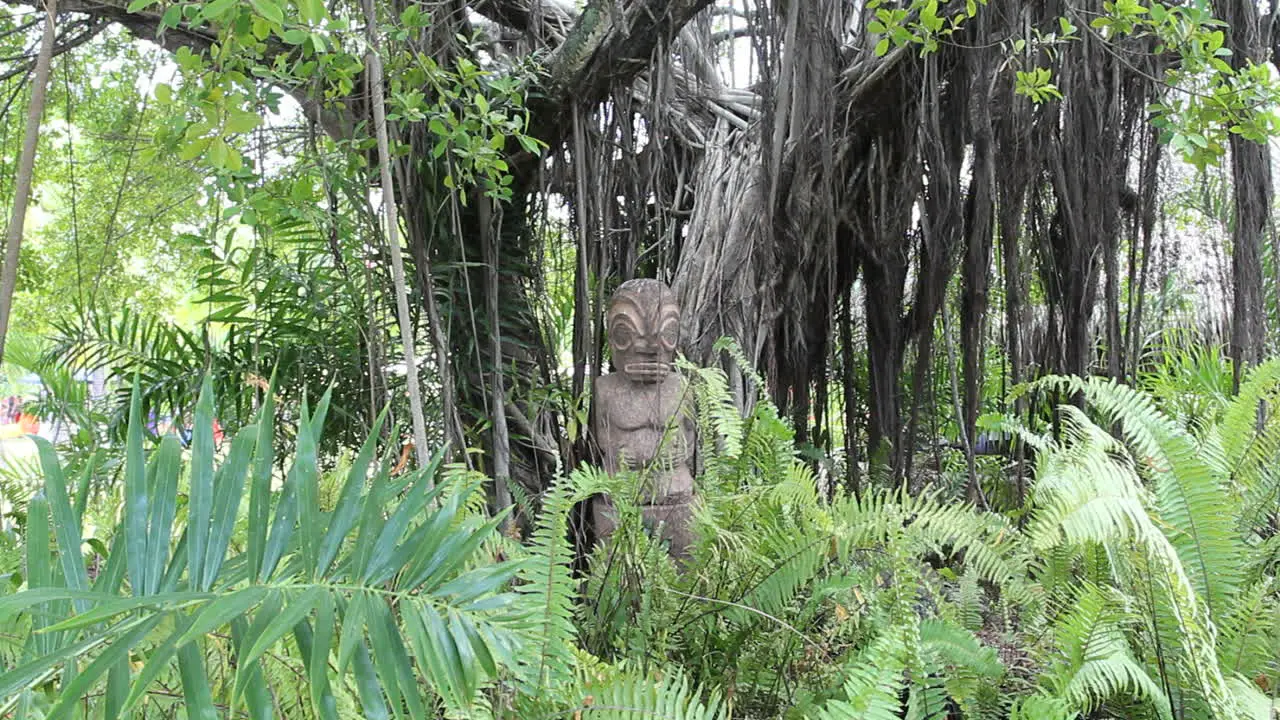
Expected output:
(644, 327)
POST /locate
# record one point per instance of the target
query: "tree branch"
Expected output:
(608, 46)
(146, 25)
(88, 30)
(543, 18)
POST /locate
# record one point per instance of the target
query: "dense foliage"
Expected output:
(1139, 581)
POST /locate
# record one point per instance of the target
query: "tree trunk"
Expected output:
(26, 168)
(884, 295)
(1251, 175)
(407, 335)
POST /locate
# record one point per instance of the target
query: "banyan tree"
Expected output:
(816, 207)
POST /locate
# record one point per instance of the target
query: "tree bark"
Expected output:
(1252, 189)
(26, 168)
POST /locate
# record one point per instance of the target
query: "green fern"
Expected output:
(547, 587)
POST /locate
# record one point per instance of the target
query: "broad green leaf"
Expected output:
(283, 622)
(306, 477)
(66, 526)
(196, 696)
(371, 698)
(136, 502)
(43, 666)
(392, 662)
(116, 651)
(200, 495)
(269, 9)
(350, 500)
(257, 698)
(228, 489)
(82, 488)
(105, 607)
(164, 507)
(260, 486)
(216, 9)
(117, 688)
(222, 611)
(39, 571)
(353, 622)
(314, 647)
(313, 11)
(239, 121)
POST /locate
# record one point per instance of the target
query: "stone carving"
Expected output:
(642, 413)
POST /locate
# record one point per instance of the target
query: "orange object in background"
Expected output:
(30, 424)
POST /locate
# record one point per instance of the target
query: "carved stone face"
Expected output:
(644, 327)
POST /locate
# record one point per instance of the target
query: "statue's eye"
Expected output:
(621, 335)
(670, 332)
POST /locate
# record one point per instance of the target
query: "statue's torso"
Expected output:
(648, 426)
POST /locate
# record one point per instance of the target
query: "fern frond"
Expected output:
(633, 696)
(547, 585)
(873, 686)
(1190, 497)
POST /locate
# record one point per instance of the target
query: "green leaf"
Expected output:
(116, 652)
(216, 9)
(353, 621)
(197, 698)
(222, 611)
(371, 698)
(228, 489)
(313, 11)
(257, 698)
(305, 475)
(351, 500)
(31, 673)
(39, 572)
(135, 494)
(66, 526)
(315, 647)
(164, 493)
(200, 495)
(239, 121)
(172, 16)
(280, 624)
(260, 485)
(882, 47)
(117, 688)
(269, 10)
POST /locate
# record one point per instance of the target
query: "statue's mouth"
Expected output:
(647, 369)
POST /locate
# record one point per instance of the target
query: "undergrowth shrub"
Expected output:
(1139, 582)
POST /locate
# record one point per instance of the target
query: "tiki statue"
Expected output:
(642, 418)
